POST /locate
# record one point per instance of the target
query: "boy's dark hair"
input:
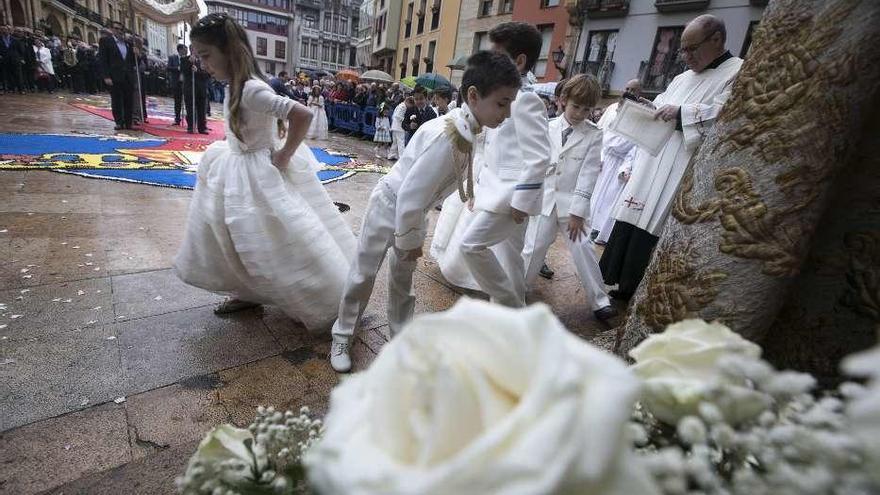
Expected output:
(582, 89)
(559, 86)
(443, 93)
(488, 71)
(518, 38)
(419, 89)
(282, 73)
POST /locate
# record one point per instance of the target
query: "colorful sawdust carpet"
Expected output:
(167, 162)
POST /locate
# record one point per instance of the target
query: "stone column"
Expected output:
(753, 224)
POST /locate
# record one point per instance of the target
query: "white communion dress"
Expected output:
(262, 234)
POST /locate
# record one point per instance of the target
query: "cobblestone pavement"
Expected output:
(111, 369)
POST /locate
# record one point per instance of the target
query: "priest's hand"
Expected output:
(470, 204)
(576, 228)
(518, 216)
(667, 113)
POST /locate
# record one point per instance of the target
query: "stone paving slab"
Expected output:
(57, 306)
(47, 454)
(160, 350)
(153, 293)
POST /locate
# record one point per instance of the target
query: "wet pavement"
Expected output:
(111, 369)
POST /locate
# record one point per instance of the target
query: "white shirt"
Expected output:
(397, 117)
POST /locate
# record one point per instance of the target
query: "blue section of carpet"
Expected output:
(170, 178)
(38, 144)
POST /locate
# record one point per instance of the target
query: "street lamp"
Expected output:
(558, 57)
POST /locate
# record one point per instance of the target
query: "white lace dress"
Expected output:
(260, 234)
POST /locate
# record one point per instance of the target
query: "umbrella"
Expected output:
(377, 75)
(409, 82)
(460, 62)
(433, 81)
(348, 75)
(547, 89)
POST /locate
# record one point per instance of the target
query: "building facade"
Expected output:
(327, 34)
(477, 18)
(426, 42)
(364, 47)
(386, 32)
(623, 40)
(268, 24)
(551, 19)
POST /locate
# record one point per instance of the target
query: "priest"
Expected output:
(693, 100)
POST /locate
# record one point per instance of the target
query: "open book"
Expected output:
(636, 122)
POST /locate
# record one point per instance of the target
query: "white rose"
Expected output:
(230, 454)
(864, 410)
(680, 368)
(482, 399)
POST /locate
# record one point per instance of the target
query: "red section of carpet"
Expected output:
(162, 127)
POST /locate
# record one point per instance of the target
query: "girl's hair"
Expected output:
(315, 89)
(220, 30)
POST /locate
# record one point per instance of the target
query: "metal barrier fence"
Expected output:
(352, 118)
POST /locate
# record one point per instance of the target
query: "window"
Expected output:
(664, 63)
(546, 30)
(311, 21)
(262, 46)
(601, 46)
(429, 65)
(435, 15)
(421, 15)
(506, 7)
(415, 61)
(481, 42)
(343, 25)
(304, 49)
(404, 62)
(280, 49)
(747, 43)
(485, 8)
(270, 68)
(328, 22)
(549, 3)
(409, 15)
(325, 53)
(314, 50)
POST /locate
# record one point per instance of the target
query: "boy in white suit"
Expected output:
(436, 161)
(576, 145)
(511, 181)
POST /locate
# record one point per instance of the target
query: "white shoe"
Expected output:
(339, 358)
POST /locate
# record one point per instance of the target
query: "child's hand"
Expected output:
(281, 158)
(470, 204)
(575, 228)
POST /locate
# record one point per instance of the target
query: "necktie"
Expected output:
(565, 134)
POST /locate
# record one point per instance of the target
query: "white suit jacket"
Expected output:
(517, 158)
(576, 166)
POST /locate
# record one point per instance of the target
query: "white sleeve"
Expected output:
(533, 135)
(587, 176)
(260, 97)
(418, 191)
(698, 118)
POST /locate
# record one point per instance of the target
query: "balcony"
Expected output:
(602, 71)
(598, 9)
(315, 4)
(84, 12)
(666, 6)
(311, 32)
(656, 79)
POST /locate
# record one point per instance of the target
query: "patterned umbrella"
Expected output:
(377, 76)
(348, 75)
(433, 81)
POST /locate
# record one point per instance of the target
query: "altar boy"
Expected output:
(436, 161)
(575, 143)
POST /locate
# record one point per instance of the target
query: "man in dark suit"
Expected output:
(195, 94)
(11, 60)
(118, 71)
(26, 41)
(176, 80)
(419, 114)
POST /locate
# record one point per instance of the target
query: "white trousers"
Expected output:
(377, 236)
(581, 253)
(494, 229)
(398, 144)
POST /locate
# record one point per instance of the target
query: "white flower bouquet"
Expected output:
(483, 399)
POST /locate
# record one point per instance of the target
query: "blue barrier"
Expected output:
(352, 118)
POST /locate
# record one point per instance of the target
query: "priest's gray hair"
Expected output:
(711, 24)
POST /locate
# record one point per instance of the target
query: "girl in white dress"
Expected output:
(261, 228)
(382, 137)
(318, 129)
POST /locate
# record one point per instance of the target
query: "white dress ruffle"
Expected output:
(262, 234)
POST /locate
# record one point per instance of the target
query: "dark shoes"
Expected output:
(204, 131)
(118, 128)
(546, 272)
(605, 313)
(616, 294)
